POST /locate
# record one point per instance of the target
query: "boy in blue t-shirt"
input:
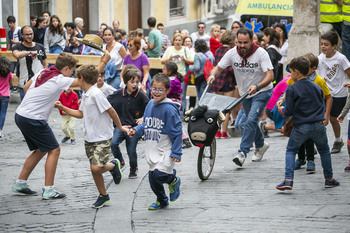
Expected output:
(163, 134)
(304, 101)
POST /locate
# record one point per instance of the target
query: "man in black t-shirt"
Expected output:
(31, 57)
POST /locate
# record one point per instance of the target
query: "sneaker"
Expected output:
(347, 168)
(156, 206)
(65, 139)
(331, 183)
(1, 134)
(224, 135)
(299, 163)
(23, 188)
(337, 147)
(285, 185)
(263, 130)
(174, 189)
(186, 143)
(116, 172)
(218, 134)
(50, 194)
(101, 201)
(133, 173)
(72, 142)
(310, 167)
(239, 159)
(259, 152)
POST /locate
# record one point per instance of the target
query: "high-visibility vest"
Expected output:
(331, 12)
(346, 10)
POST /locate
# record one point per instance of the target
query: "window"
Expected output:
(37, 7)
(177, 8)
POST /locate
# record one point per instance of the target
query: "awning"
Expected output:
(265, 7)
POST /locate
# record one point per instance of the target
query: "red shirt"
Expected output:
(214, 44)
(69, 100)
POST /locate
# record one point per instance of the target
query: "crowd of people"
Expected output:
(124, 99)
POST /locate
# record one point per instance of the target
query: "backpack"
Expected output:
(208, 66)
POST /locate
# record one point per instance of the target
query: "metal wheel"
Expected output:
(206, 160)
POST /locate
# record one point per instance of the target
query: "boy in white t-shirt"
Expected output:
(334, 67)
(98, 116)
(31, 117)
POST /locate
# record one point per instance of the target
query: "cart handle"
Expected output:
(204, 92)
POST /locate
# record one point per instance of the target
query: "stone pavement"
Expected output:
(233, 199)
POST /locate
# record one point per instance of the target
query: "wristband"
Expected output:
(257, 86)
(282, 99)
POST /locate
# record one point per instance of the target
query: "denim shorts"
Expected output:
(37, 134)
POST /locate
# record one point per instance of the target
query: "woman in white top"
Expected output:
(281, 29)
(178, 54)
(117, 52)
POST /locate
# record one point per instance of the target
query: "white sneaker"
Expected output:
(1, 134)
(239, 159)
(259, 152)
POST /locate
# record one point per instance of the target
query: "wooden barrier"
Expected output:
(88, 59)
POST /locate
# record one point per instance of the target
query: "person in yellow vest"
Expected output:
(346, 28)
(331, 12)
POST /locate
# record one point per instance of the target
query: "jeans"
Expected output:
(56, 49)
(183, 97)
(4, 102)
(115, 81)
(131, 144)
(253, 108)
(300, 133)
(21, 93)
(240, 120)
(200, 88)
(346, 41)
(156, 181)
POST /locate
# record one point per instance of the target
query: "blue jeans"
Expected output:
(115, 81)
(183, 97)
(131, 144)
(253, 108)
(56, 49)
(21, 93)
(156, 181)
(4, 102)
(300, 133)
(346, 41)
(240, 120)
(200, 88)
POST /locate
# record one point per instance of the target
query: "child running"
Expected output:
(334, 67)
(304, 101)
(162, 129)
(98, 116)
(170, 70)
(130, 104)
(69, 99)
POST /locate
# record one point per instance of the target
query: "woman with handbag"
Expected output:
(182, 56)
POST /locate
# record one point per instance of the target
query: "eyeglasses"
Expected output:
(155, 90)
(130, 45)
(28, 34)
(200, 27)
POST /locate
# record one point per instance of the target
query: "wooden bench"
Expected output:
(88, 59)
